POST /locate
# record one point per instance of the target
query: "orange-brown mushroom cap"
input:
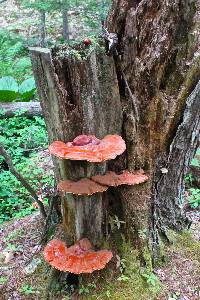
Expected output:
(76, 259)
(113, 179)
(55, 250)
(84, 186)
(89, 148)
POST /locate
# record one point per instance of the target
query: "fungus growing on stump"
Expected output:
(84, 186)
(126, 177)
(89, 148)
(77, 259)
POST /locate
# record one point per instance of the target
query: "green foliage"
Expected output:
(20, 135)
(14, 56)
(84, 290)
(129, 284)
(93, 13)
(41, 5)
(27, 290)
(10, 91)
(151, 278)
(194, 198)
(3, 280)
(195, 162)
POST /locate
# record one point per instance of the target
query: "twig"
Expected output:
(52, 199)
(22, 180)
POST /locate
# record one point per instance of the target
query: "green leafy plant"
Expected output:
(123, 278)
(195, 162)
(27, 290)
(10, 91)
(84, 290)
(194, 198)
(3, 280)
(115, 222)
(14, 56)
(150, 278)
(27, 89)
(22, 137)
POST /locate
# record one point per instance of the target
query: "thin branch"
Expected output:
(52, 201)
(22, 179)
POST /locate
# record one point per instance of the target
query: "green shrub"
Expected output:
(10, 91)
(14, 56)
(19, 134)
(194, 198)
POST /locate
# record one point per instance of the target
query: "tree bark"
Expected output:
(42, 29)
(28, 109)
(76, 99)
(65, 25)
(148, 92)
(158, 42)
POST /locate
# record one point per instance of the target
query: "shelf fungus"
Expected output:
(83, 186)
(88, 147)
(77, 259)
(126, 177)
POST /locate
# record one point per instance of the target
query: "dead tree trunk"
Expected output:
(78, 97)
(28, 109)
(149, 94)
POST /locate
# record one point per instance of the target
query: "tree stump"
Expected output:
(149, 94)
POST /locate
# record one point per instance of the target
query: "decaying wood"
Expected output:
(143, 98)
(78, 97)
(28, 109)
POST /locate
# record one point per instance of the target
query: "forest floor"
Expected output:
(24, 274)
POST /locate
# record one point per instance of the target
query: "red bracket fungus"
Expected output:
(84, 186)
(89, 148)
(77, 259)
(113, 179)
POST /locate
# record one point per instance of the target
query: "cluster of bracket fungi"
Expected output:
(80, 258)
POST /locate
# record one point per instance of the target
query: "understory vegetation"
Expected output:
(25, 139)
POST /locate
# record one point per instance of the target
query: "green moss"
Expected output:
(148, 259)
(185, 244)
(130, 284)
(80, 52)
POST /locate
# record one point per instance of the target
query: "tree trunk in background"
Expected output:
(65, 25)
(42, 29)
(157, 72)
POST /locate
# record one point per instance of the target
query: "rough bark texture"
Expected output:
(154, 74)
(158, 42)
(28, 109)
(77, 99)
